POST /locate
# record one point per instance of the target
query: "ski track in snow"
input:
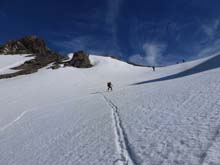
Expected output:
(121, 137)
(13, 122)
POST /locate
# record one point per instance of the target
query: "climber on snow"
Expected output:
(109, 85)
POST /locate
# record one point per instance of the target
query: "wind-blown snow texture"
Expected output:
(65, 116)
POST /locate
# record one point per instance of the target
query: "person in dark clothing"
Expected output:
(153, 67)
(109, 85)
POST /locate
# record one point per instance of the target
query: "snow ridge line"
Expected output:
(121, 138)
(14, 121)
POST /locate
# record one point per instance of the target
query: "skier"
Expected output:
(109, 85)
(153, 67)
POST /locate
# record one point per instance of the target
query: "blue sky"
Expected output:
(152, 32)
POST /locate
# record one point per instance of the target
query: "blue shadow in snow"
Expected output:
(207, 65)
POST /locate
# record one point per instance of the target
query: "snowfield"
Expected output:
(66, 116)
(10, 61)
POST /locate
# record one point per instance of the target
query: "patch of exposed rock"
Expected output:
(79, 60)
(26, 45)
(37, 48)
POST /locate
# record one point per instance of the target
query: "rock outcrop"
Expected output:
(37, 48)
(26, 45)
(79, 60)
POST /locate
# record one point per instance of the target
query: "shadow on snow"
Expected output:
(207, 65)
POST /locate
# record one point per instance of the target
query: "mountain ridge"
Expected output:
(36, 48)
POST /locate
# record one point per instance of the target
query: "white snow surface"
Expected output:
(10, 61)
(66, 116)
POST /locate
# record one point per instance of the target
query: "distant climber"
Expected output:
(183, 60)
(109, 85)
(153, 67)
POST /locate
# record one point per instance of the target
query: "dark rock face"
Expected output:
(26, 45)
(80, 60)
(30, 45)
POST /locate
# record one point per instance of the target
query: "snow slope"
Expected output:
(65, 116)
(10, 61)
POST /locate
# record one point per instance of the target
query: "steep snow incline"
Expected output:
(65, 116)
(9, 61)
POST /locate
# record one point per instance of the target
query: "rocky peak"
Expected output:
(43, 56)
(26, 45)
